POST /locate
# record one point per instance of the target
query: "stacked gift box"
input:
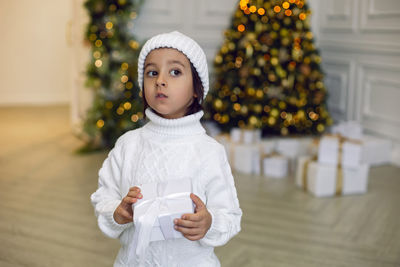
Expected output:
(375, 150)
(242, 149)
(272, 157)
(337, 169)
(277, 157)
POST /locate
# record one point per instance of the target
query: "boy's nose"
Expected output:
(161, 80)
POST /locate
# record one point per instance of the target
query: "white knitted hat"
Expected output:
(184, 44)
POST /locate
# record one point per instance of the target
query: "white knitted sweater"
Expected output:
(162, 150)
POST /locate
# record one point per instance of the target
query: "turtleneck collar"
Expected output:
(187, 125)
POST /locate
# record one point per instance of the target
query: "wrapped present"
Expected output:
(292, 148)
(236, 135)
(275, 166)
(328, 150)
(246, 136)
(242, 153)
(376, 151)
(334, 149)
(324, 180)
(355, 180)
(155, 212)
(349, 129)
(246, 158)
(267, 146)
(351, 154)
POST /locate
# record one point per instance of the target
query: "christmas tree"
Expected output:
(268, 73)
(112, 72)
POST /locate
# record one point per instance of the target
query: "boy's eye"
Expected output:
(151, 73)
(175, 72)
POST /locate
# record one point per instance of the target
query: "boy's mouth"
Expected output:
(161, 95)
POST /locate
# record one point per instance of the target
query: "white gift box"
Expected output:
(292, 148)
(246, 136)
(166, 201)
(275, 166)
(355, 180)
(328, 150)
(321, 178)
(236, 135)
(351, 154)
(349, 129)
(246, 158)
(257, 135)
(267, 146)
(376, 151)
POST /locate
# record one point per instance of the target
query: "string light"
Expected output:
(109, 25)
(285, 5)
(120, 110)
(127, 105)
(98, 63)
(100, 123)
(261, 11)
(124, 78)
(134, 118)
(288, 12)
(124, 66)
(98, 43)
(96, 54)
(133, 44)
(129, 85)
(92, 37)
(277, 9)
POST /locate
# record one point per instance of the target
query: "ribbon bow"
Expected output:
(144, 224)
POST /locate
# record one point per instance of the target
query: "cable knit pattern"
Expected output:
(162, 150)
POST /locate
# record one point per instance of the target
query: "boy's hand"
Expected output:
(123, 213)
(194, 226)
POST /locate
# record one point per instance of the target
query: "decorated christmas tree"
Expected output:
(112, 72)
(268, 73)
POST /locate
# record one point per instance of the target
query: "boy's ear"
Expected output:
(195, 95)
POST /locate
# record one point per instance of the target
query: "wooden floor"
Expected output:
(46, 218)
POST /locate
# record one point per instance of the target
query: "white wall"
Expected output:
(360, 47)
(35, 65)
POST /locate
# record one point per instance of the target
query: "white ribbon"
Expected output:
(145, 223)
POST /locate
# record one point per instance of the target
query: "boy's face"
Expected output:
(168, 82)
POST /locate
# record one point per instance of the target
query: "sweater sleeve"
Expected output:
(108, 196)
(222, 201)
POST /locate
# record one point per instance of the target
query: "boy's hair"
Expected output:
(198, 90)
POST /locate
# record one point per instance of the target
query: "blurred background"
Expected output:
(284, 74)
